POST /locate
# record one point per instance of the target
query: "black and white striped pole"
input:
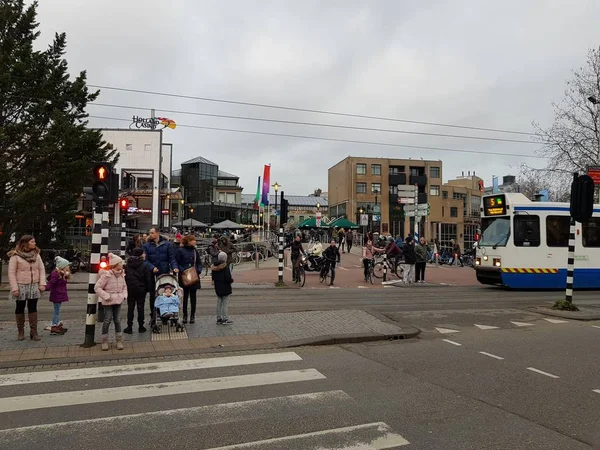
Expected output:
(280, 265)
(92, 298)
(384, 267)
(123, 239)
(570, 262)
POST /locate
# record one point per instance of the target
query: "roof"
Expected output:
(223, 174)
(295, 200)
(176, 173)
(199, 159)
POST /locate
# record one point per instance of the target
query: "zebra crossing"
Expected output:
(250, 401)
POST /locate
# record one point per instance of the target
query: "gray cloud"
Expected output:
(463, 62)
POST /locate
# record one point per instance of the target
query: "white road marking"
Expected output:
(491, 355)
(362, 287)
(446, 330)
(486, 327)
(343, 268)
(542, 372)
(287, 268)
(452, 342)
(595, 326)
(556, 321)
(597, 391)
(372, 436)
(207, 415)
(27, 402)
(139, 369)
(522, 324)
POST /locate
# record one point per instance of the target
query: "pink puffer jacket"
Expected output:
(111, 288)
(22, 272)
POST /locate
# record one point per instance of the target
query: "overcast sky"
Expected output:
(464, 62)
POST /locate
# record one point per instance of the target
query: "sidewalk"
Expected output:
(248, 332)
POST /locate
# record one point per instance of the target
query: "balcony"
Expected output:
(397, 178)
(420, 180)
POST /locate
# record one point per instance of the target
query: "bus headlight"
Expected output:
(497, 262)
(485, 258)
(477, 261)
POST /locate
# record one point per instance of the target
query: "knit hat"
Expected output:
(61, 263)
(113, 260)
(222, 257)
(137, 252)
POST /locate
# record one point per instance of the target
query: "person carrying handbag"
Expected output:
(190, 266)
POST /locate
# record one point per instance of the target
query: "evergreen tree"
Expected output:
(46, 149)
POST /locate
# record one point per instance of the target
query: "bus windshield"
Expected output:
(495, 231)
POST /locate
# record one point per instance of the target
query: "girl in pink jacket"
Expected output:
(112, 292)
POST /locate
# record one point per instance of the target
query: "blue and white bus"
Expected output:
(524, 244)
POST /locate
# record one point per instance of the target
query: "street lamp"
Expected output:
(276, 187)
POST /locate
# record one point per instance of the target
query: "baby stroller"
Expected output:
(171, 318)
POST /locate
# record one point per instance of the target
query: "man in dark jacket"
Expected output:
(297, 249)
(139, 282)
(228, 248)
(160, 257)
(213, 249)
(331, 255)
(410, 258)
(222, 280)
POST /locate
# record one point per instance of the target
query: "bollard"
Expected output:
(280, 265)
(123, 239)
(384, 267)
(92, 298)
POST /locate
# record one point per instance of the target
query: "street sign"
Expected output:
(594, 172)
(410, 214)
(254, 218)
(364, 220)
(406, 200)
(409, 208)
(376, 218)
(376, 209)
(422, 207)
(406, 188)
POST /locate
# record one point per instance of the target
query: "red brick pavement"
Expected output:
(350, 275)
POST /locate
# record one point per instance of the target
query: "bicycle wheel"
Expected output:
(301, 276)
(378, 270)
(322, 276)
(236, 259)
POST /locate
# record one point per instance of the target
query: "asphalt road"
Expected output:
(417, 394)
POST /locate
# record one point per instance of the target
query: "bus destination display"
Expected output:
(494, 205)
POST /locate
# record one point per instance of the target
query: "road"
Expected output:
(534, 387)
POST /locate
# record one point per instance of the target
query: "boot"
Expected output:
(119, 341)
(33, 323)
(20, 326)
(104, 341)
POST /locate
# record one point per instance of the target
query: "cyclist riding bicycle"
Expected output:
(297, 249)
(369, 251)
(331, 255)
(316, 255)
(393, 252)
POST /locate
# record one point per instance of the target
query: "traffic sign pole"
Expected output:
(417, 216)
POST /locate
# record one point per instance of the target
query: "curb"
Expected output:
(314, 341)
(574, 315)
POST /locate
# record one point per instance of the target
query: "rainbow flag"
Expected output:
(257, 198)
(266, 185)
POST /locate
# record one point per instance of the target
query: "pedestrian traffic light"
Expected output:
(124, 204)
(102, 181)
(284, 210)
(582, 198)
(103, 263)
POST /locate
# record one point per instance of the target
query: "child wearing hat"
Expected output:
(112, 291)
(57, 286)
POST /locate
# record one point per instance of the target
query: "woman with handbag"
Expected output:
(190, 265)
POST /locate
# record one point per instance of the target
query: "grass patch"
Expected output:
(564, 305)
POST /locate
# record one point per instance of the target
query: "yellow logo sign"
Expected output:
(168, 123)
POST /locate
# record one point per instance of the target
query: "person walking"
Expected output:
(422, 253)
(409, 259)
(57, 286)
(297, 249)
(349, 239)
(341, 239)
(111, 288)
(213, 249)
(187, 257)
(139, 282)
(222, 280)
(332, 256)
(226, 246)
(27, 279)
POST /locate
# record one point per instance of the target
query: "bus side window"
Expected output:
(527, 231)
(557, 231)
(590, 234)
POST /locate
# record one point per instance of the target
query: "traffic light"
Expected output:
(284, 210)
(124, 204)
(481, 189)
(428, 209)
(582, 198)
(101, 187)
(103, 263)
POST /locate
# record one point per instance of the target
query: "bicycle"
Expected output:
(369, 277)
(300, 274)
(378, 269)
(327, 274)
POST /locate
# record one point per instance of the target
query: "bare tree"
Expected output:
(532, 181)
(572, 142)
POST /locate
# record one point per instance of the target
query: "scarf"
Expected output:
(30, 256)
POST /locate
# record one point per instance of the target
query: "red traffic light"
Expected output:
(101, 172)
(124, 204)
(103, 263)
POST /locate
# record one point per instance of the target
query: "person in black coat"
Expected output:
(222, 280)
(187, 256)
(410, 259)
(139, 282)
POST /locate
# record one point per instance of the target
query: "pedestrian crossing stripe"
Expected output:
(528, 270)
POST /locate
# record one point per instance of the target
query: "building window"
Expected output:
(445, 195)
(434, 191)
(376, 188)
(221, 197)
(376, 169)
(147, 147)
(393, 189)
(434, 172)
(557, 231)
(527, 230)
(129, 147)
(361, 169)
(590, 233)
(394, 170)
(361, 188)
(448, 234)
(453, 211)
(230, 197)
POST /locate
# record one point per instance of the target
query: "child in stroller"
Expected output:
(167, 303)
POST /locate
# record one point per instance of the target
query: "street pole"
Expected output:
(123, 239)
(417, 217)
(280, 264)
(570, 262)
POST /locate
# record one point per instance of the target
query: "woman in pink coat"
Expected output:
(27, 278)
(112, 291)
